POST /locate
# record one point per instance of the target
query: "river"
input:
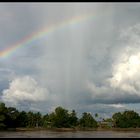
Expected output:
(70, 134)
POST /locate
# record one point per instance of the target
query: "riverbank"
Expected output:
(56, 129)
(70, 134)
(37, 129)
(78, 129)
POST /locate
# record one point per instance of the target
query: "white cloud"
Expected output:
(24, 89)
(126, 68)
(117, 105)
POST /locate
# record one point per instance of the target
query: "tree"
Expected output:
(73, 120)
(34, 119)
(30, 122)
(87, 121)
(96, 115)
(38, 119)
(108, 120)
(126, 119)
(11, 117)
(22, 119)
(116, 119)
(3, 111)
(45, 121)
(51, 120)
(61, 117)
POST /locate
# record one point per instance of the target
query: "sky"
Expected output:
(82, 56)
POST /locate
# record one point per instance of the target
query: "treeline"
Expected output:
(126, 119)
(10, 117)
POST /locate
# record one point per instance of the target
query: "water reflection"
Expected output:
(73, 134)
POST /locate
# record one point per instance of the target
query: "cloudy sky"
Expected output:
(92, 65)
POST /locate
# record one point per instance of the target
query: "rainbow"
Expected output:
(8, 51)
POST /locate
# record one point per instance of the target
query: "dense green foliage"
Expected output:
(126, 119)
(10, 117)
(87, 121)
(3, 111)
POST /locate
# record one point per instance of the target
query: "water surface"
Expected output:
(70, 134)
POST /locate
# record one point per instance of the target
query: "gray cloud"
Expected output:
(78, 64)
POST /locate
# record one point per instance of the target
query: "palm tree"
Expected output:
(96, 115)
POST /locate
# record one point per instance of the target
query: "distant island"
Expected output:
(65, 120)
